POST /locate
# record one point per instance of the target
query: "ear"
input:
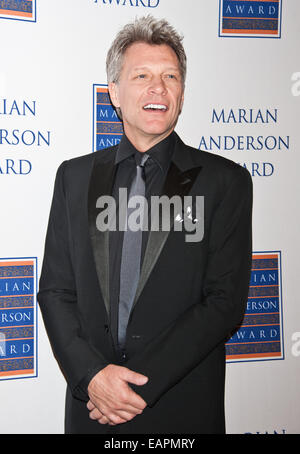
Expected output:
(182, 101)
(113, 93)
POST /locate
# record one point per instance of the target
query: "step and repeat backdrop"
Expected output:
(242, 101)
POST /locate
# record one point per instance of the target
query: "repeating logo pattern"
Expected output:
(18, 9)
(108, 128)
(250, 18)
(260, 336)
(18, 318)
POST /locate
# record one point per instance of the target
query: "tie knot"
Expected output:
(141, 158)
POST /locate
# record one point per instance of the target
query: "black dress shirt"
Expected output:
(156, 169)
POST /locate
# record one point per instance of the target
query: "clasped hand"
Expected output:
(112, 401)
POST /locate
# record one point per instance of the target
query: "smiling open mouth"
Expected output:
(156, 107)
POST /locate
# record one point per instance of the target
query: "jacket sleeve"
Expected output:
(187, 341)
(58, 300)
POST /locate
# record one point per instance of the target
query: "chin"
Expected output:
(157, 130)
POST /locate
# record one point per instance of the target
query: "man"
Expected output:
(138, 321)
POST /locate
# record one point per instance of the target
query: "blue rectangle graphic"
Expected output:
(256, 18)
(260, 334)
(262, 305)
(17, 318)
(107, 126)
(17, 349)
(252, 334)
(16, 286)
(251, 9)
(24, 10)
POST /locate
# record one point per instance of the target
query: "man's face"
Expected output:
(149, 93)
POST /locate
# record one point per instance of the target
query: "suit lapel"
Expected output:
(101, 182)
(179, 181)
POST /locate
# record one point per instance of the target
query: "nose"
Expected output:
(157, 86)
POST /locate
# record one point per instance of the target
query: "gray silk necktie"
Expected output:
(131, 256)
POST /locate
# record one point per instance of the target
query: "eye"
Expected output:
(171, 76)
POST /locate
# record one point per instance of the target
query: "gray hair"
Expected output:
(148, 30)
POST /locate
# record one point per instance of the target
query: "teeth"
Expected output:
(155, 106)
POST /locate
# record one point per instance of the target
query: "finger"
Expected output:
(103, 420)
(127, 416)
(96, 414)
(115, 418)
(90, 405)
(134, 377)
(122, 414)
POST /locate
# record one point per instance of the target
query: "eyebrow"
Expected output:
(142, 68)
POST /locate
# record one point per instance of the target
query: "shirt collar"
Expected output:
(161, 153)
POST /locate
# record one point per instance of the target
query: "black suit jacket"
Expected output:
(190, 297)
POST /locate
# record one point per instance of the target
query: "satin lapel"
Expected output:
(101, 182)
(178, 182)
